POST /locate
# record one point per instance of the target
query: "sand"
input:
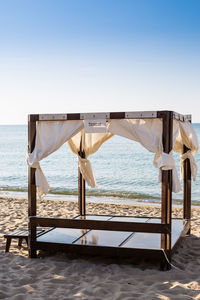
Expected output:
(63, 276)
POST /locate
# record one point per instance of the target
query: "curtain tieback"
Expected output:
(87, 172)
(165, 161)
(40, 179)
(193, 165)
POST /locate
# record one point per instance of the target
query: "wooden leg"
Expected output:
(166, 200)
(32, 252)
(81, 183)
(81, 194)
(20, 242)
(8, 242)
(187, 189)
(32, 240)
(32, 199)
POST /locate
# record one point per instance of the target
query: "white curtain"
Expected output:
(148, 132)
(90, 144)
(187, 136)
(50, 135)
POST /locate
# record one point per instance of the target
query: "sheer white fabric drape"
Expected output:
(148, 132)
(50, 136)
(90, 144)
(187, 136)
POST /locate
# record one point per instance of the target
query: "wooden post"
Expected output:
(81, 186)
(31, 187)
(166, 204)
(186, 188)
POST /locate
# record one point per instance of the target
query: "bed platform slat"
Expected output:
(99, 241)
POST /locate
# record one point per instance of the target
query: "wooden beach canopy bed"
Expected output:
(160, 132)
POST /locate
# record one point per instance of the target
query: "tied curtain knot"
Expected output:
(165, 161)
(35, 165)
(86, 171)
(193, 165)
(40, 179)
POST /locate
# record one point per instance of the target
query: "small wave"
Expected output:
(123, 195)
(106, 193)
(13, 189)
(94, 193)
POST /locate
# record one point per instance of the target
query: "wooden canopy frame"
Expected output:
(162, 226)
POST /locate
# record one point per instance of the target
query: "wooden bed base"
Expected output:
(168, 231)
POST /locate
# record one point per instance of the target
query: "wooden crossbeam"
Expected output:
(100, 225)
(106, 115)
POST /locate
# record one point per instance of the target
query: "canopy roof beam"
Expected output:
(106, 116)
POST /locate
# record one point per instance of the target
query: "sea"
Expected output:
(123, 169)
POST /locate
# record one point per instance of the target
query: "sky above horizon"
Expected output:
(98, 56)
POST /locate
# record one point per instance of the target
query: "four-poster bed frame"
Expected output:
(130, 230)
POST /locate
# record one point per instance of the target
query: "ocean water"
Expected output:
(123, 169)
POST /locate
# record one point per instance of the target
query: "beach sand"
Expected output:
(62, 276)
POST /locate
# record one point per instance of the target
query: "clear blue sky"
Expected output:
(95, 55)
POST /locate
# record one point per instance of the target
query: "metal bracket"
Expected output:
(52, 117)
(141, 114)
(95, 116)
